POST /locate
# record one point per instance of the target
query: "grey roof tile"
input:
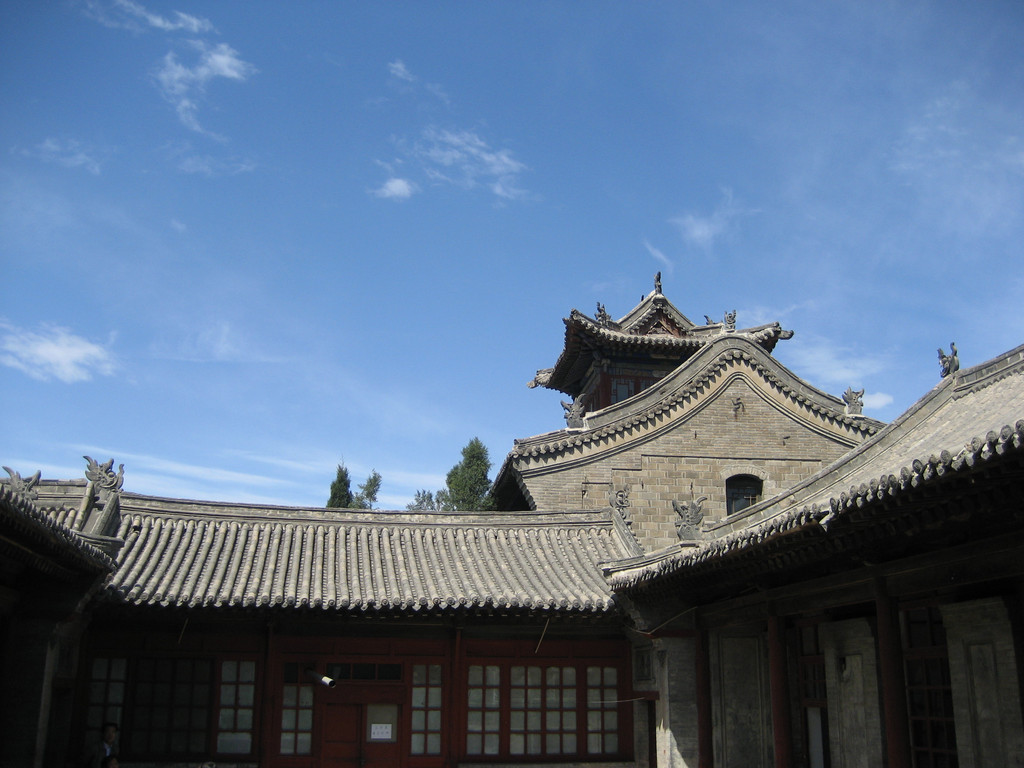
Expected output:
(966, 420)
(204, 554)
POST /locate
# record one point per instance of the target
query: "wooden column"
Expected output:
(705, 733)
(894, 689)
(781, 731)
(268, 699)
(455, 700)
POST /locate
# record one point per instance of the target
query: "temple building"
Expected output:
(712, 564)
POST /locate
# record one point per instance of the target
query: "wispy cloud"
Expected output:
(824, 360)
(69, 153)
(703, 230)
(396, 189)
(658, 256)
(185, 86)
(464, 159)
(126, 14)
(964, 160)
(216, 342)
(399, 71)
(208, 165)
(821, 361)
(447, 156)
(53, 352)
(406, 82)
(145, 473)
(758, 314)
(182, 84)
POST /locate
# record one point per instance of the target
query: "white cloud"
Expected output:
(877, 400)
(53, 353)
(824, 363)
(464, 159)
(69, 152)
(184, 86)
(398, 70)
(396, 189)
(704, 230)
(819, 359)
(126, 14)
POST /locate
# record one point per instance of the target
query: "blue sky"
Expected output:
(242, 242)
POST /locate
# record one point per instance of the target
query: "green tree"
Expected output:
(367, 495)
(467, 482)
(341, 491)
(424, 501)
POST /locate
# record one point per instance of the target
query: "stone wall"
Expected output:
(986, 684)
(741, 428)
(851, 679)
(676, 708)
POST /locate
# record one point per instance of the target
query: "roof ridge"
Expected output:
(710, 371)
(978, 377)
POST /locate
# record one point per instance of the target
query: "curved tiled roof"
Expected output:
(649, 405)
(937, 438)
(583, 334)
(52, 546)
(198, 554)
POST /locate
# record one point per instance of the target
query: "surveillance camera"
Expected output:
(324, 680)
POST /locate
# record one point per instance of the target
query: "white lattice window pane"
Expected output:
(418, 744)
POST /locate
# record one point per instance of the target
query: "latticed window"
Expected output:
(742, 491)
(296, 713)
(602, 710)
(188, 707)
(543, 711)
(929, 691)
(483, 715)
(426, 709)
(107, 680)
(237, 703)
(171, 706)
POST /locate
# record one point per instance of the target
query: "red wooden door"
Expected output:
(361, 735)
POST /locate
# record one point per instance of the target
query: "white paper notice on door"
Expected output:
(380, 731)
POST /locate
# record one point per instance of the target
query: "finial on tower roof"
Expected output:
(657, 283)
